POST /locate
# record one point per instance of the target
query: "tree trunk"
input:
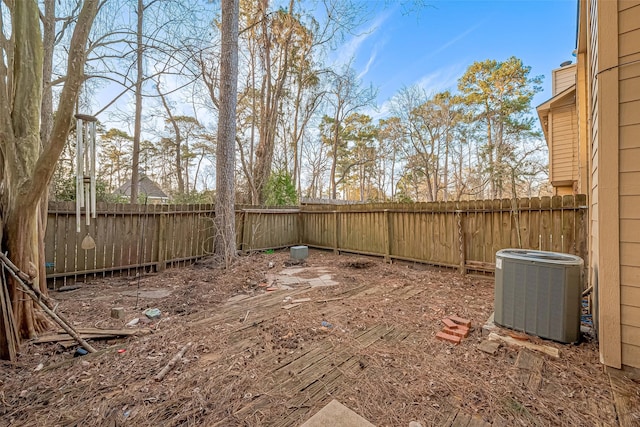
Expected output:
(334, 158)
(178, 141)
(225, 240)
(23, 221)
(270, 104)
(48, 25)
(27, 165)
(137, 125)
(46, 116)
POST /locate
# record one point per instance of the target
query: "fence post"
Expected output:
(300, 229)
(162, 241)
(246, 236)
(387, 237)
(335, 232)
(462, 267)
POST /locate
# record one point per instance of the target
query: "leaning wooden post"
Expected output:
(27, 286)
(9, 341)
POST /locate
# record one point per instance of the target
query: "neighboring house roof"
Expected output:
(145, 186)
(559, 99)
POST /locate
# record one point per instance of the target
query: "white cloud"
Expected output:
(349, 50)
(441, 79)
(453, 41)
(437, 81)
(369, 63)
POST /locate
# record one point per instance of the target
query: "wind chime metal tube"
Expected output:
(86, 182)
(79, 169)
(92, 128)
(86, 174)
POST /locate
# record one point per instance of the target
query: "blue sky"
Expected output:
(435, 45)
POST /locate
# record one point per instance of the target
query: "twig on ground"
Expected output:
(172, 362)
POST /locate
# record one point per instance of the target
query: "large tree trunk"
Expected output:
(225, 240)
(270, 102)
(27, 166)
(137, 125)
(25, 252)
(21, 215)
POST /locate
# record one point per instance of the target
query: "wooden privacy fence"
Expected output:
(464, 235)
(130, 237)
(127, 237)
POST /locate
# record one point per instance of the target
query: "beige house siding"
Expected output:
(563, 78)
(589, 45)
(629, 178)
(564, 136)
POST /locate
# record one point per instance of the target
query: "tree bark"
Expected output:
(137, 125)
(28, 166)
(225, 240)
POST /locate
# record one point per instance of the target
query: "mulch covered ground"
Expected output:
(263, 357)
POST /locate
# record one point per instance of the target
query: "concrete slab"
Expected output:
(293, 271)
(335, 414)
(289, 277)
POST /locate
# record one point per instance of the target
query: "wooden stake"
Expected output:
(172, 362)
(39, 298)
(9, 341)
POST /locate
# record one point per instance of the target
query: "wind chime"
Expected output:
(85, 175)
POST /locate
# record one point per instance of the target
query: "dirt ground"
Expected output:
(365, 336)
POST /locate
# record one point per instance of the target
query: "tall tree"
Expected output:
(391, 138)
(345, 97)
(115, 158)
(225, 240)
(137, 121)
(26, 167)
(150, 38)
(356, 163)
(500, 95)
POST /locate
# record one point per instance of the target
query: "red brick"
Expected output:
(449, 323)
(460, 331)
(461, 321)
(443, 336)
